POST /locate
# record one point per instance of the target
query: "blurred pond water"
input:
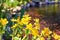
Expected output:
(51, 12)
(50, 9)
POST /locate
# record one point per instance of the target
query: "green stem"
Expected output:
(0, 37)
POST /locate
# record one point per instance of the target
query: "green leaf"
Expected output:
(27, 31)
(16, 38)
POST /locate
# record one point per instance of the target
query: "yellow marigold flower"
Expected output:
(14, 26)
(3, 21)
(57, 37)
(25, 20)
(29, 26)
(46, 32)
(35, 32)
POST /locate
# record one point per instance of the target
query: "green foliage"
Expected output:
(16, 38)
(27, 31)
(12, 3)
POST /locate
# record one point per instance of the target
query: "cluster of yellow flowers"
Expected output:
(34, 28)
(46, 32)
(18, 28)
(24, 21)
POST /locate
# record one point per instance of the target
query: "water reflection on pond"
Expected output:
(50, 9)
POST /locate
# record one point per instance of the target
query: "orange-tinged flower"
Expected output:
(46, 32)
